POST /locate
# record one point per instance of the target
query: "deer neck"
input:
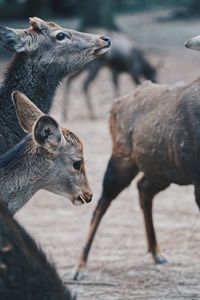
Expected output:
(37, 81)
(22, 174)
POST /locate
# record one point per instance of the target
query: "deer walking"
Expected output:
(44, 54)
(156, 131)
(25, 272)
(124, 57)
(49, 157)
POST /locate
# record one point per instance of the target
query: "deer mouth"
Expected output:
(79, 200)
(102, 51)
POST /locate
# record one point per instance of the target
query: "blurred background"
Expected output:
(154, 32)
(23, 8)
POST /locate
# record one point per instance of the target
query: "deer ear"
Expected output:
(47, 133)
(26, 111)
(10, 39)
(38, 24)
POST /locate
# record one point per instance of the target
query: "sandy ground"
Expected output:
(119, 267)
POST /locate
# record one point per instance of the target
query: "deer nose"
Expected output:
(107, 40)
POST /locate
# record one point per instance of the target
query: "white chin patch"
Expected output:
(77, 202)
(102, 51)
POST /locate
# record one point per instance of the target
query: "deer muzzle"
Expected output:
(81, 199)
(193, 43)
(104, 46)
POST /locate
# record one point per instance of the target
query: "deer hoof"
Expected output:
(160, 259)
(78, 275)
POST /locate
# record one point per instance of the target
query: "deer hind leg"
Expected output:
(147, 191)
(115, 80)
(197, 194)
(66, 95)
(118, 176)
(135, 78)
(93, 70)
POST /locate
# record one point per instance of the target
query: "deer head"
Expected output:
(54, 152)
(51, 45)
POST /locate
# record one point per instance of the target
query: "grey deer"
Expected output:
(156, 131)
(49, 157)
(125, 56)
(44, 54)
(25, 272)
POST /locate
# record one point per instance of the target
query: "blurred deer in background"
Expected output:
(124, 57)
(155, 131)
(44, 54)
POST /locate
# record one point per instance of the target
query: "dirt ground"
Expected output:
(119, 266)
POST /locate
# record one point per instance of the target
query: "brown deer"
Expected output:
(25, 272)
(156, 131)
(49, 157)
(44, 54)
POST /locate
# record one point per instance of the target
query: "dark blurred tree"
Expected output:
(195, 7)
(39, 8)
(97, 13)
(192, 10)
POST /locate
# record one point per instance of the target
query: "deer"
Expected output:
(155, 131)
(43, 55)
(25, 272)
(125, 56)
(49, 157)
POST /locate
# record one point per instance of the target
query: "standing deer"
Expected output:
(124, 57)
(44, 54)
(49, 157)
(25, 272)
(156, 131)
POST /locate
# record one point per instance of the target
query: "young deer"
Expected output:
(124, 57)
(25, 272)
(156, 131)
(49, 157)
(44, 54)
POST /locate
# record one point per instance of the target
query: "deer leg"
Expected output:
(135, 79)
(66, 95)
(147, 191)
(197, 195)
(115, 83)
(93, 71)
(118, 176)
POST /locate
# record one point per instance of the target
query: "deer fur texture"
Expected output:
(25, 272)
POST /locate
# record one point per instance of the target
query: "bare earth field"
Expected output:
(119, 266)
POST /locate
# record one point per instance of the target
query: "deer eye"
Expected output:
(78, 164)
(61, 36)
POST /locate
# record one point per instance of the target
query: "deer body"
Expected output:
(155, 131)
(44, 54)
(160, 131)
(25, 272)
